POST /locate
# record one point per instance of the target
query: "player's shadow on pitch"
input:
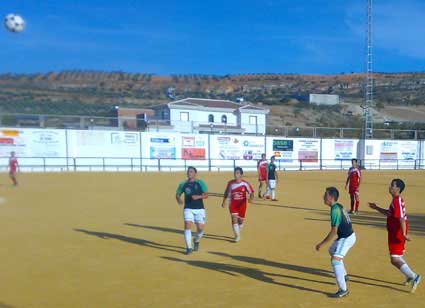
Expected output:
(235, 270)
(272, 204)
(179, 231)
(132, 240)
(309, 270)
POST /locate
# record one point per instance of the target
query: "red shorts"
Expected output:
(396, 243)
(238, 208)
(263, 177)
(353, 191)
(12, 171)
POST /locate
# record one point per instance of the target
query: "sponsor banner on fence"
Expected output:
(408, 150)
(92, 143)
(344, 149)
(162, 147)
(33, 142)
(308, 150)
(283, 149)
(389, 150)
(194, 147)
(237, 147)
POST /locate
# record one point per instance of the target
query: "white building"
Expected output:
(196, 115)
(324, 99)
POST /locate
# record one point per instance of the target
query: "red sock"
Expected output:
(357, 205)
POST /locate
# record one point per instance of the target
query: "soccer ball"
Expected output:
(14, 23)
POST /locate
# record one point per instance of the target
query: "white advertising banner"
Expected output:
(237, 147)
(307, 150)
(92, 143)
(408, 150)
(33, 142)
(344, 149)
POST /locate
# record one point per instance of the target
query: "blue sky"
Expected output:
(213, 37)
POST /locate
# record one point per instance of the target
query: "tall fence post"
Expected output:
(44, 164)
(103, 164)
(159, 164)
(75, 163)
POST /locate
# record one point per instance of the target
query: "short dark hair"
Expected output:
(273, 157)
(263, 155)
(333, 192)
(238, 169)
(354, 160)
(193, 168)
(399, 183)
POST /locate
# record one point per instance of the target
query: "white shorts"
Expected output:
(272, 184)
(198, 215)
(341, 247)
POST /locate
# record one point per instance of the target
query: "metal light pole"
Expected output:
(367, 131)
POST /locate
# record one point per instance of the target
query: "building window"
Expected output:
(211, 118)
(253, 120)
(184, 116)
(224, 119)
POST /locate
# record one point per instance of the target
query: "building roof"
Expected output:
(213, 103)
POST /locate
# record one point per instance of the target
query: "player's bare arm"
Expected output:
(225, 196)
(375, 207)
(403, 228)
(179, 199)
(251, 197)
(203, 196)
(331, 235)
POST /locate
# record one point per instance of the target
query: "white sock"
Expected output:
(199, 235)
(340, 273)
(188, 237)
(405, 269)
(345, 271)
(240, 227)
(273, 194)
(236, 230)
(267, 191)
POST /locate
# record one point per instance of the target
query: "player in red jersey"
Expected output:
(398, 228)
(13, 168)
(262, 173)
(353, 182)
(236, 191)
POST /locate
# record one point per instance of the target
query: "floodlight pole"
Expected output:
(367, 131)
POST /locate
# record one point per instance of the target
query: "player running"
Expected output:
(353, 181)
(340, 226)
(271, 179)
(262, 173)
(194, 212)
(398, 229)
(236, 191)
(13, 168)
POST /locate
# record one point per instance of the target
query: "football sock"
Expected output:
(340, 272)
(236, 230)
(405, 269)
(199, 236)
(188, 237)
(357, 205)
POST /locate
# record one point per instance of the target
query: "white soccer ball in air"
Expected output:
(14, 23)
